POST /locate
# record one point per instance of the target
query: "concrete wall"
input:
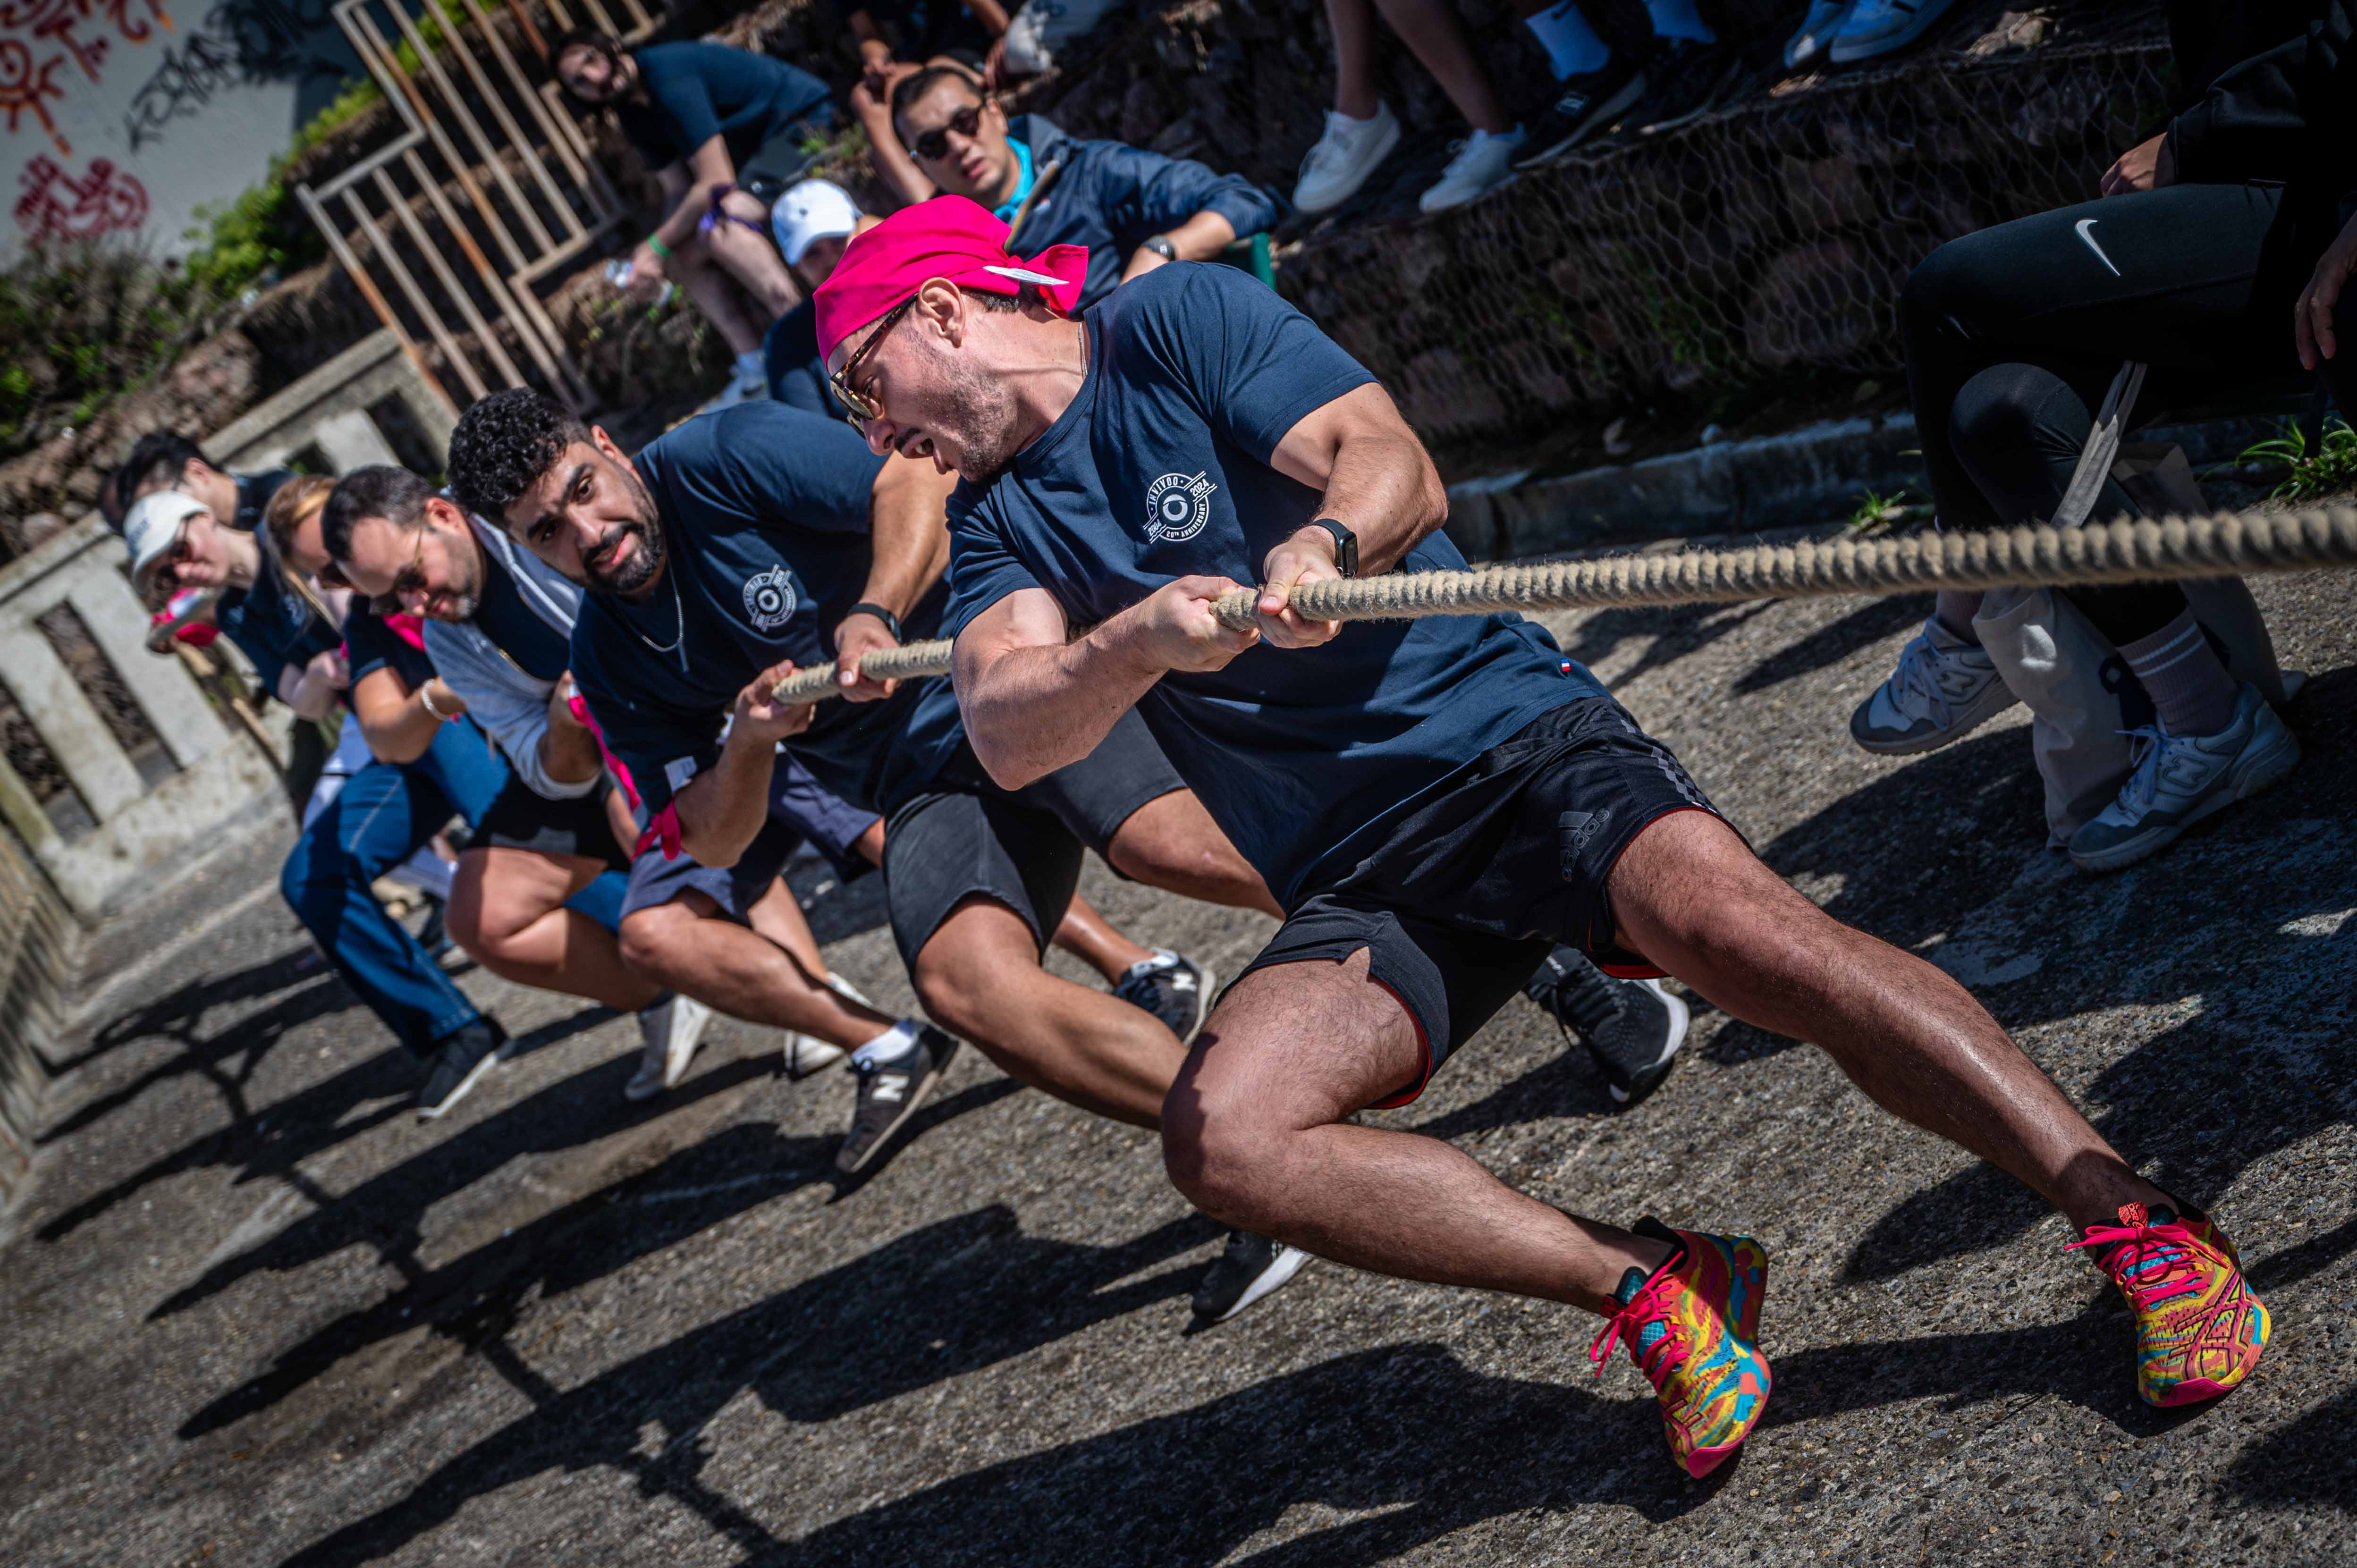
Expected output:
(127, 116)
(36, 951)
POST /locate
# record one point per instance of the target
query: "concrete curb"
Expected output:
(1812, 475)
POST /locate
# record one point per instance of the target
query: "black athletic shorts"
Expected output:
(520, 817)
(1510, 856)
(963, 836)
(655, 881)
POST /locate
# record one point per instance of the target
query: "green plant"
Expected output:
(1874, 511)
(83, 322)
(2331, 469)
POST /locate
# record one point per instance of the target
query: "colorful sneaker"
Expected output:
(1690, 1328)
(2199, 1329)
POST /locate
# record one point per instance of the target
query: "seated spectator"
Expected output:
(2208, 234)
(899, 40)
(813, 222)
(704, 117)
(167, 460)
(1133, 210)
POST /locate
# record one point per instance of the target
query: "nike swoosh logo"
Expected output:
(2081, 229)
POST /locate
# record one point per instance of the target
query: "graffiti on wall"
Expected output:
(54, 205)
(40, 38)
(243, 41)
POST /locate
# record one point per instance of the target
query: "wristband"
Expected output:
(891, 622)
(1346, 545)
(654, 243)
(426, 701)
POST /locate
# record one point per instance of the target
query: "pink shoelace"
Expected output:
(1649, 1306)
(2151, 1267)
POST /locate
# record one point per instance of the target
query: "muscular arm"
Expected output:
(722, 811)
(909, 535)
(392, 719)
(568, 749)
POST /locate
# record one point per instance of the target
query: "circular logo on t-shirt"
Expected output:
(1177, 506)
(769, 598)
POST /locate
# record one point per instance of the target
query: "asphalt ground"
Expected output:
(254, 1313)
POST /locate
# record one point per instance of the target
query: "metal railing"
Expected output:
(530, 197)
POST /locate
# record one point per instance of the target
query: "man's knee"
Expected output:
(1223, 1151)
(651, 939)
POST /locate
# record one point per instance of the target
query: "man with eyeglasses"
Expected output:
(498, 629)
(1133, 210)
(1435, 802)
(751, 542)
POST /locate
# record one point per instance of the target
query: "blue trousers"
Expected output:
(380, 818)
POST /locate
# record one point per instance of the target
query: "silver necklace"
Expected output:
(679, 619)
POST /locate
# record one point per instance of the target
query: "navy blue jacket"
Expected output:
(1113, 198)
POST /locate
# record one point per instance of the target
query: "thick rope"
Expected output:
(2126, 551)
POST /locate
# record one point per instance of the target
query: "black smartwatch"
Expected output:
(1346, 546)
(891, 622)
(1162, 246)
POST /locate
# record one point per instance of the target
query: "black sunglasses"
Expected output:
(935, 145)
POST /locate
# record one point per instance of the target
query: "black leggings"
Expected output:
(2014, 334)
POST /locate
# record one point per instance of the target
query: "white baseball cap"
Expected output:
(152, 527)
(814, 210)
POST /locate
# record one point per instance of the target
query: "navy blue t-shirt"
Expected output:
(765, 515)
(790, 355)
(1159, 469)
(699, 91)
(273, 622)
(372, 645)
(515, 628)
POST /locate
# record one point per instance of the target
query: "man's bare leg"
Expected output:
(1171, 843)
(1088, 936)
(689, 947)
(1254, 1135)
(1692, 897)
(507, 911)
(714, 293)
(979, 977)
(750, 257)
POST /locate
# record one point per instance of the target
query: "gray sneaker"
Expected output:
(1943, 689)
(1173, 988)
(2180, 779)
(890, 1092)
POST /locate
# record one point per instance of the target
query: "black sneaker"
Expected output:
(463, 1060)
(1248, 1268)
(889, 1093)
(1174, 989)
(1632, 1028)
(1584, 104)
(1688, 79)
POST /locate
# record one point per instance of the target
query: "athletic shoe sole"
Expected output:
(921, 1091)
(466, 1084)
(1288, 1263)
(1921, 23)
(1651, 1078)
(1986, 706)
(2251, 775)
(1598, 118)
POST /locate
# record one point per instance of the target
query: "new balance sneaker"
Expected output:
(1808, 45)
(1483, 163)
(1174, 989)
(460, 1065)
(2180, 779)
(2199, 1329)
(1339, 164)
(669, 1030)
(1690, 1327)
(1943, 689)
(1688, 79)
(891, 1090)
(1584, 104)
(1632, 1028)
(1247, 1269)
(807, 1054)
(1879, 26)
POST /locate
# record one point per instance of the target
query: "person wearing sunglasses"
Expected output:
(899, 38)
(1132, 210)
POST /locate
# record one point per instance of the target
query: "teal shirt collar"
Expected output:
(1013, 204)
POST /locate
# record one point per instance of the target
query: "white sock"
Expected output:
(893, 1042)
(1679, 19)
(1572, 45)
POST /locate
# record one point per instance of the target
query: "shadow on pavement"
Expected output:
(1669, 633)
(941, 1300)
(1829, 645)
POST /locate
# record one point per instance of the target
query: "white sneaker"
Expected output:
(2181, 779)
(807, 1054)
(1824, 20)
(1943, 689)
(1345, 156)
(1482, 164)
(671, 1031)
